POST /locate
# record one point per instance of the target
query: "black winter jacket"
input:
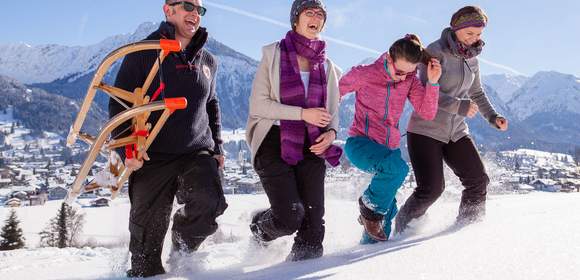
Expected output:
(190, 74)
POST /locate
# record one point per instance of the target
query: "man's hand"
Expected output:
(221, 160)
(133, 163)
(323, 142)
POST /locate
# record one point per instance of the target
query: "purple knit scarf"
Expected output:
(292, 92)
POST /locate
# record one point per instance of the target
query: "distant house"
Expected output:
(57, 193)
(88, 195)
(100, 202)
(13, 202)
(571, 185)
(557, 173)
(546, 185)
(22, 195)
(39, 199)
(5, 182)
(248, 186)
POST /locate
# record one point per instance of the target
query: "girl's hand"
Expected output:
(434, 71)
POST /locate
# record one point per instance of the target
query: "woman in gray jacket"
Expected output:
(447, 138)
(292, 124)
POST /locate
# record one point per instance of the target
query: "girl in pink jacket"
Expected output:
(381, 90)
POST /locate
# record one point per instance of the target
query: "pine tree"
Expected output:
(63, 230)
(11, 236)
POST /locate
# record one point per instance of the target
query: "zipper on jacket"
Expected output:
(387, 114)
(367, 124)
(462, 61)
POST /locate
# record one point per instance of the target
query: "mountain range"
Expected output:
(543, 110)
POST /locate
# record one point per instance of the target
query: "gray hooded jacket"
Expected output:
(460, 82)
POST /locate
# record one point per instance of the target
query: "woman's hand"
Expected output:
(316, 116)
(323, 142)
(434, 71)
(473, 109)
(502, 123)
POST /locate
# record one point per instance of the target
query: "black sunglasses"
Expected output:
(190, 7)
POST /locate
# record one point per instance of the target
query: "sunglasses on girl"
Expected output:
(398, 72)
(190, 7)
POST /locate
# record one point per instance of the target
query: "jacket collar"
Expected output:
(166, 30)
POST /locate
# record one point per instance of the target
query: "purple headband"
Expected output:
(469, 20)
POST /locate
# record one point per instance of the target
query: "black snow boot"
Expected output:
(258, 235)
(144, 272)
(304, 251)
(145, 266)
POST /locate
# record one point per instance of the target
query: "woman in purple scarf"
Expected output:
(292, 124)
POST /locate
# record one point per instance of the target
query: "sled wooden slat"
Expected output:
(138, 114)
(98, 78)
(123, 94)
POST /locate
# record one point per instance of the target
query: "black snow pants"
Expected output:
(296, 194)
(194, 180)
(427, 157)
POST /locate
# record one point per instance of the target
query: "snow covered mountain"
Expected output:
(41, 111)
(549, 106)
(46, 63)
(67, 71)
(539, 108)
(547, 92)
(505, 84)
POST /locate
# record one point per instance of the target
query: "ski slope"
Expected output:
(533, 236)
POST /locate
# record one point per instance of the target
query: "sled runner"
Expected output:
(115, 174)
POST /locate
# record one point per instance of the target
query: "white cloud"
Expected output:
(500, 66)
(82, 27)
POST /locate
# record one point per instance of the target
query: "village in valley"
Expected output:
(36, 167)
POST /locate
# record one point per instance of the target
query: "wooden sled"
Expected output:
(143, 133)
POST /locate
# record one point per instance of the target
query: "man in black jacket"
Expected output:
(183, 160)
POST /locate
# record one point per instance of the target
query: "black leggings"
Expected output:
(427, 156)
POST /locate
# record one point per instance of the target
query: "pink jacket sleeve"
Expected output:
(424, 98)
(352, 81)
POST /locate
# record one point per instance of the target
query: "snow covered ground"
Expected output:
(533, 236)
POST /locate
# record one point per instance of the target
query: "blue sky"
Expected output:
(522, 36)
